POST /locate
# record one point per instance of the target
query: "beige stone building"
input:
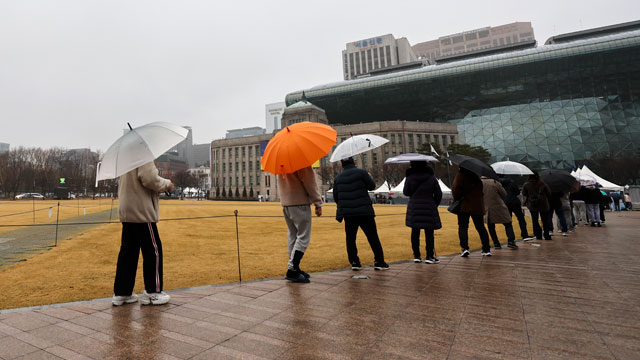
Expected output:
(474, 40)
(364, 56)
(236, 162)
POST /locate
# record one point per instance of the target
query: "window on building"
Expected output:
(369, 60)
(224, 181)
(237, 181)
(243, 152)
(436, 139)
(387, 49)
(457, 39)
(374, 158)
(410, 138)
(400, 139)
(452, 139)
(470, 36)
(258, 179)
(526, 34)
(376, 65)
(244, 180)
(358, 64)
(445, 42)
(501, 41)
(244, 166)
(224, 153)
(383, 63)
(471, 45)
(393, 138)
(485, 42)
(224, 167)
(237, 166)
(364, 160)
(508, 39)
(515, 38)
(352, 73)
(495, 42)
(483, 33)
(363, 61)
(267, 181)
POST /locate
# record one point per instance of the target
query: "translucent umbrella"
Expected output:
(357, 145)
(137, 147)
(409, 157)
(511, 168)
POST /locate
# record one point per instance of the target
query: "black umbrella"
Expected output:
(558, 180)
(474, 165)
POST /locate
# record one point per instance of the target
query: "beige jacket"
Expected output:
(299, 188)
(496, 211)
(138, 194)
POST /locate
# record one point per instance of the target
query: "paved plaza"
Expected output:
(575, 297)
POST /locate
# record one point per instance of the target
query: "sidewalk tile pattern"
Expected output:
(572, 297)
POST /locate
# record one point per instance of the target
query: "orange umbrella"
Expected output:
(298, 146)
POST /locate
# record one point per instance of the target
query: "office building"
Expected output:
(474, 40)
(550, 106)
(362, 57)
(273, 114)
(236, 162)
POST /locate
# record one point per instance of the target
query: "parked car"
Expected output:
(29, 196)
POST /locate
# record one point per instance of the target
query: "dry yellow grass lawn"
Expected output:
(203, 251)
(68, 209)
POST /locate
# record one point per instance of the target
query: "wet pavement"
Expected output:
(575, 297)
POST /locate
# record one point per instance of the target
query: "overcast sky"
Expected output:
(73, 73)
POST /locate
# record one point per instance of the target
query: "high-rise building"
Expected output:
(552, 106)
(365, 56)
(273, 115)
(474, 40)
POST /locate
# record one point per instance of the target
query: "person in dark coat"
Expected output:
(422, 211)
(593, 198)
(467, 187)
(515, 206)
(537, 194)
(555, 205)
(350, 191)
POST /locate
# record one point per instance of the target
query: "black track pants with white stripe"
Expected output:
(136, 237)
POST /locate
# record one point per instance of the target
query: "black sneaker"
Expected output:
(381, 266)
(431, 260)
(356, 266)
(464, 253)
(497, 246)
(296, 277)
(598, 224)
(512, 245)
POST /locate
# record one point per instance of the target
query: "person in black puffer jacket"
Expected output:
(350, 191)
(422, 212)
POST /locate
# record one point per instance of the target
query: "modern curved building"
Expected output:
(554, 105)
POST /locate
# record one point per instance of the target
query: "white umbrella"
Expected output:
(138, 147)
(357, 145)
(511, 168)
(406, 158)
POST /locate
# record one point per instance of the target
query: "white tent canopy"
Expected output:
(399, 187)
(606, 185)
(383, 189)
(444, 188)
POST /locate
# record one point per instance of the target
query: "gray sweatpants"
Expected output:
(298, 219)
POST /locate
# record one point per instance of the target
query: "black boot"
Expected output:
(295, 276)
(297, 256)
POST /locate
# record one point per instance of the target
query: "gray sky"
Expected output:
(73, 73)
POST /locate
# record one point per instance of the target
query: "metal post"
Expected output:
(57, 218)
(33, 209)
(111, 209)
(78, 204)
(238, 245)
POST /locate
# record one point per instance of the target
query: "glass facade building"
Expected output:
(554, 105)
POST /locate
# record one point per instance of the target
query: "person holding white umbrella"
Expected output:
(130, 159)
(511, 199)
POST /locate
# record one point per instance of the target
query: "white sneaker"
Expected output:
(154, 298)
(488, 253)
(417, 261)
(120, 300)
(565, 234)
(464, 253)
